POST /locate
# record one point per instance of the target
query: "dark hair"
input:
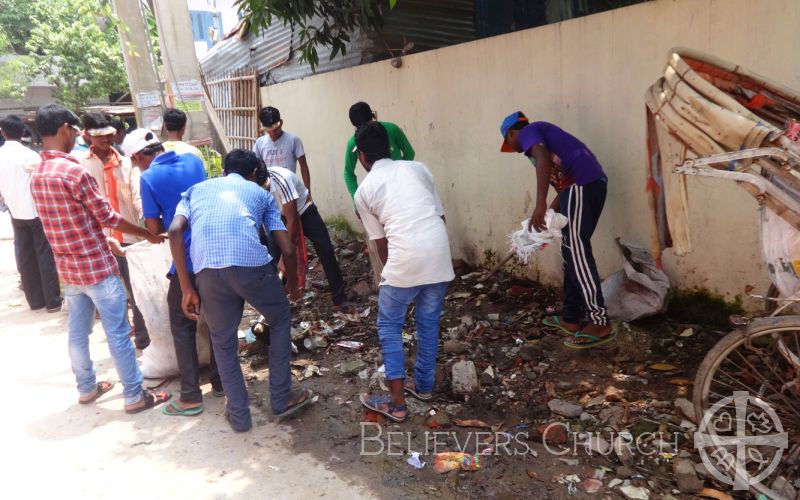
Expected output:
(96, 120)
(269, 116)
(13, 127)
(240, 161)
(152, 149)
(373, 140)
(360, 113)
(518, 125)
(51, 117)
(174, 119)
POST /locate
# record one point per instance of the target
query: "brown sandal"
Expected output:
(152, 398)
(101, 388)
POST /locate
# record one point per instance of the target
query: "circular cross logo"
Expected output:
(729, 443)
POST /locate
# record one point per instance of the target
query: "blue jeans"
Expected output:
(108, 296)
(393, 304)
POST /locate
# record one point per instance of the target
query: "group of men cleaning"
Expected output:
(241, 238)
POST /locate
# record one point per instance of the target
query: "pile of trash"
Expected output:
(514, 413)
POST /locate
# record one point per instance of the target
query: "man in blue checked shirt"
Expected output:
(231, 267)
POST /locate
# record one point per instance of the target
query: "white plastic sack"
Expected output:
(781, 245)
(525, 243)
(148, 266)
(639, 290)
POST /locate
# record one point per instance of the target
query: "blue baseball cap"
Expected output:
(508, 122)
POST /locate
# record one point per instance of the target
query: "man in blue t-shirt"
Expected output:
(165, 176)
(563, 161)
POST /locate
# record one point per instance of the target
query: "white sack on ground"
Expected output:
(524, 243)
(148, 266)
(639, 290)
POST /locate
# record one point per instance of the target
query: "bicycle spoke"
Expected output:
(766, 382)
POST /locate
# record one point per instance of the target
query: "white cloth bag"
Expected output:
(149, 265)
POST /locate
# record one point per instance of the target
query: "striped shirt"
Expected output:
(127, 180)
(73, 215)
(224, 215)
(287, 187)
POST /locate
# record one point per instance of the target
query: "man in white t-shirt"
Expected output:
(35, 261)
(280, 148)
(299, 210)
(402, 213)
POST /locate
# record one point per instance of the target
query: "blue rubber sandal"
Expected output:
(374, 403)
(595, 341)
(555, 322)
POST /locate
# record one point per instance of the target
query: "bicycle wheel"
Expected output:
(749, 359)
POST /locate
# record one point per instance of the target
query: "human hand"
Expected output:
(190, 303)
(116, 248)
(155, 239)
(537, 219)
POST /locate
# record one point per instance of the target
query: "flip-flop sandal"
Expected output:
(102, 388)
(555, 322)
(374, 402)
(292, 409)
(595, 341)
(173, 410)
(411, 388)
(151, 399)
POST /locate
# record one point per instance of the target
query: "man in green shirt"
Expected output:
(361, 114)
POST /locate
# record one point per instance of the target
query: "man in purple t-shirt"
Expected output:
(563, 161)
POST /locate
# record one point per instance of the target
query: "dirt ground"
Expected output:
(527, 382)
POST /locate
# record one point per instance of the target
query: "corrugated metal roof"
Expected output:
(430, 25)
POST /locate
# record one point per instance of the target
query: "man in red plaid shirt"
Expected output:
(73, 215)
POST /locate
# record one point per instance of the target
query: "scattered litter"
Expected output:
(635, 492)
(414, 460)
(140, 443)
(460, 295)
(591, 485)
(472, 423)
(712, 493)
(614, 483)
(571, 481)
(493, 316)
(276, 469)
(572, 462)
(663, 367)
(687, 333)
(350, 345)
(452, 460)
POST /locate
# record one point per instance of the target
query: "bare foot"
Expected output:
(598, 331)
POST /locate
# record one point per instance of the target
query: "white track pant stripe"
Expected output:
(578, 252)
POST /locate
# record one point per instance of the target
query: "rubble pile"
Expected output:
(513, 411)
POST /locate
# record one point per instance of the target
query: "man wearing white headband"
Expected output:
(119, 183)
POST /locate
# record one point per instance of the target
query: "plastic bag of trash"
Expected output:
(639, 290)
(148, 266)
(781, 245)
(524, 243)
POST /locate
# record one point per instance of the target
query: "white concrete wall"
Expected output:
(587, 75)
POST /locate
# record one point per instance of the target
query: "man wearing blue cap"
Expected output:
(563, 161)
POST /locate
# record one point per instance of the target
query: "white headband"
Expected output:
(95, 132)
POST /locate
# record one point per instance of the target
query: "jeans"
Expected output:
(184, 337)
(35, 264)
(140, 334)
(222, 296)
(393, 304)
(582, 205)
(108, 296)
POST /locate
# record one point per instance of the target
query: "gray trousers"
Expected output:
(223, 293)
